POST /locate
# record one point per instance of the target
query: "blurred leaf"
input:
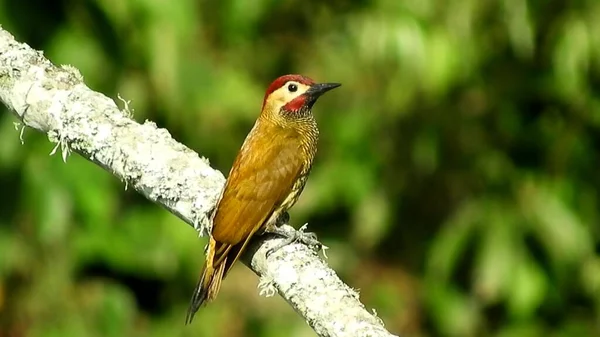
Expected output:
(528, 288)
(554, 223)
(455, 314)
(499, 253)
(451, 242)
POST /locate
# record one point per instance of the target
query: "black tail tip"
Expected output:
(189, 317)
(198, 299)
(194, 306)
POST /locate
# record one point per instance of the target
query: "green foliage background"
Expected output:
(456, 182)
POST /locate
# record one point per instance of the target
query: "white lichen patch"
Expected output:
(324, 251)
(21, 128)
(126, 109)
(377, 317)
(287, 274)
(104, 132)
(64, 147)
(266, 286)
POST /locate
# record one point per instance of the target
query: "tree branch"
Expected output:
(54, 100)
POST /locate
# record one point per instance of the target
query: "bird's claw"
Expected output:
(290, 236)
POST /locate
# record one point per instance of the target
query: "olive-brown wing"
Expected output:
(258, 183)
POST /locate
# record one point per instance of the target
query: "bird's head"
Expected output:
(293, 96)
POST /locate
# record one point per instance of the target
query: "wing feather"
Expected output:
(258, 183)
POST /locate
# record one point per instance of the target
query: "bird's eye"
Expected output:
(292, 87)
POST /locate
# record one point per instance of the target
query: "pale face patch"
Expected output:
(290, 92)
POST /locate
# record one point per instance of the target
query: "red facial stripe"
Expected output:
(296, 103)
(279, 82)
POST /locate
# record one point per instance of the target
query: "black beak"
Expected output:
(319, 89)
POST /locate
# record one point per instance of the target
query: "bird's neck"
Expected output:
(308, 134)
(300, 129)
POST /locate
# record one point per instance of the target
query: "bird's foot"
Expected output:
(283, 219)
(291, 236)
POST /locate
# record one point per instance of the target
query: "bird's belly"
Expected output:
(297, 188)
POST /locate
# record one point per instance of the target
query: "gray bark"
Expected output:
(55, 100)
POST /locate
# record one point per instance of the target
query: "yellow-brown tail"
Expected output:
(210, 281)
(220, 257)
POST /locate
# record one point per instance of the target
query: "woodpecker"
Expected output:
(266, 179)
